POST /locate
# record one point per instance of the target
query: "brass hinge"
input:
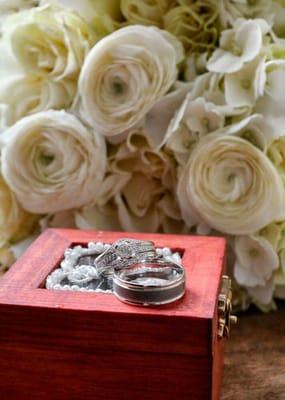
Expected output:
(225, 308)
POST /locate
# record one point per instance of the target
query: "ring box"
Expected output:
(75, 345)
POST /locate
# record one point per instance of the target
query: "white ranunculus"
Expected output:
(48, 41)
(193, 119)
(230, 185)
(244, 87)
(15, 223)
(238, 46)
(22, 95)
(125, 74)
(52, 162)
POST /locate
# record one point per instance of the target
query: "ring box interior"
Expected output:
(79, 345)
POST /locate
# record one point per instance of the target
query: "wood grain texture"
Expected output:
(255, 357)
(102, 347)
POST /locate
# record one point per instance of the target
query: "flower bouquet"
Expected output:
(151, 116)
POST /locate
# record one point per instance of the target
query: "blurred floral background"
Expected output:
(151, 116)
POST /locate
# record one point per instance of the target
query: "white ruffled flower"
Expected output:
(276, 153)
(138, 192)
(52, 162)
(253, 128)
(195, 65)
(103, 16)
(85, 8)
(21, 95)
(256, 261)
(6, 259)
(238, 46)
(157, 120)
(8, 7)
(230, 185)
(104, 217)
(278, 9)
(125, 74)
(275, 234)
(244, 87)
(210, 86)
(193, 119)
(145, 12)
(49, 41)
(262, 295)
(15, 223)
(271, 105)
(231, 10)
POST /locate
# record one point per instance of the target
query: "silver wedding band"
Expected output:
(153, 282)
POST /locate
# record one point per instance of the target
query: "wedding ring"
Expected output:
(123, 253)
(153, 282)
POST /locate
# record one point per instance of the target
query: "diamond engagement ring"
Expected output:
(122, 253)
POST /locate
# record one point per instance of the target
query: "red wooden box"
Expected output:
(61, 345)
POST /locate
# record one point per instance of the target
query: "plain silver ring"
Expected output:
(149, 282)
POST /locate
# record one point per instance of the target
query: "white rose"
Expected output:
(52, 162)
(125, 74)
(238, 46)
(230, 185)
(49, 41)
(22, 95)
(15, 223)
